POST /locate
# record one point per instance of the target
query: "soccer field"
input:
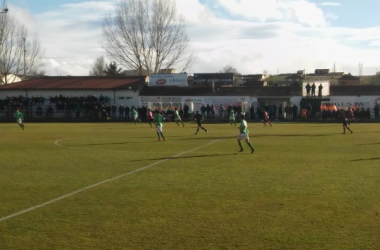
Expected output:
(113, 186)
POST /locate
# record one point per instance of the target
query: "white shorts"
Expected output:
(159, 128)
(243, 136)
(19, 120)
(178, 119)
(135, 117)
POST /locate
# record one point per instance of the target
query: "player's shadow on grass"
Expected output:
(366, 144)
(367, 132)
(101, 144)
(144, 137)
(368, 159)
(197, 137)
(182, 157)
(291, 135)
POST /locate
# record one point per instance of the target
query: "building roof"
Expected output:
(78, 82)
(295, 76)
(254, 76)
(138, 82)
(221, 91)
(349, 77)
(355, 90)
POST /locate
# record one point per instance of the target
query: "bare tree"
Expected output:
(237, 76)
(112, 70)
(19, 56)
(229, 69)
(99, 67)
(146, 36)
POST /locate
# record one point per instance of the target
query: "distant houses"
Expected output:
(322, 72)
(349, 80)
(295, 78)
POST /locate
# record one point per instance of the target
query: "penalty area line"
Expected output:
(102, 182)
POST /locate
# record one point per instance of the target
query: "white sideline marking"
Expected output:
(57, 142)
(100, 183)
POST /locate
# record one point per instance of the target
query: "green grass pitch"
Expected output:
(113, 186)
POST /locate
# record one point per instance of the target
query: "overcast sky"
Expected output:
(279, 36)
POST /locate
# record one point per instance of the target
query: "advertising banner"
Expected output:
(218, 78)
(168, 79)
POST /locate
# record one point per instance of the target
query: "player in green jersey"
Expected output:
(19, 117)
(244, 134)
(158, 121)
(135, 116)
(177, 117)
(231, 117)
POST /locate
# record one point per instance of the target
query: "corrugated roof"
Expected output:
(221, 91)
(78, 82)
(295, 76)
(137, 82)
(349, 77)
(355, 90)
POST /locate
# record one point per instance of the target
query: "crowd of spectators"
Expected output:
(335, 113)
(91, 107)
(88, 107)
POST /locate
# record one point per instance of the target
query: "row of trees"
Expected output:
(101, 68)
(20, 55)
(143, 36)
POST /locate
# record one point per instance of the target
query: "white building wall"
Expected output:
(325, 85)
(127, 98)
(368, 98)
(4, 94)
(358, 101)
(296, 100)
(195, 102)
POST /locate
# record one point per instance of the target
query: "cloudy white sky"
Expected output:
(279, 36)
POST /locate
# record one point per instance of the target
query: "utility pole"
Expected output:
(24, 58)
(4, 9)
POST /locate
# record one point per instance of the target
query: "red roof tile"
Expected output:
(78, 82)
